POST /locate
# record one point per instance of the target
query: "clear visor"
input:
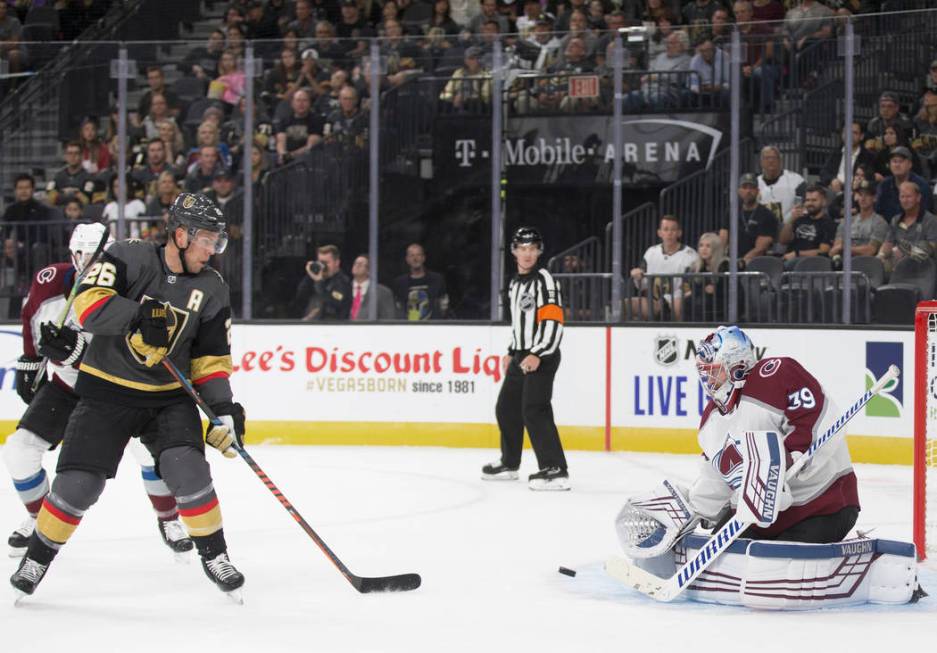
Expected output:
(214, 241)
(712, 376)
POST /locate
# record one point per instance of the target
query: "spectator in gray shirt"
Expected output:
(869, 230)
(663, 87)
(913, 232)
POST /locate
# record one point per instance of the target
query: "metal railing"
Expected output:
(581, 257)
(701, 200)
(697, 297)
(639, 226)
(817, 297)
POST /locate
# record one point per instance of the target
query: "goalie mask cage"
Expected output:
(925, 429)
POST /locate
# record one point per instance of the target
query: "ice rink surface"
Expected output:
(488, 554)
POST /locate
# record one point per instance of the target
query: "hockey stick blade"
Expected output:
(399, 583)
(637, 578)
(666, 589)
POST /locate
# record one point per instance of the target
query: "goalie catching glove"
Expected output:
(150, 331)
(652, 522)
(230, 432)
(63, 345)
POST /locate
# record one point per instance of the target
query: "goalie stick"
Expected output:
(71, 300)
(667, 589)
(365, 585)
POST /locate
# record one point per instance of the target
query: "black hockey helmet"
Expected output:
(526, 235)
(194, 212)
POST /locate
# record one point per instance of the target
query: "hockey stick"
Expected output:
(398, 583)
(667, 589)
(71, 300)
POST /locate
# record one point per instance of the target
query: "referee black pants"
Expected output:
(524, 401)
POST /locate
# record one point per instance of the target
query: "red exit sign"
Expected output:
(584, 86)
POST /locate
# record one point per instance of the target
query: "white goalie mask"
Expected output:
(84, 242)
(723, 360)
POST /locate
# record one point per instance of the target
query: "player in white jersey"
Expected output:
(42, 426)
(670, 257)
(767, 410)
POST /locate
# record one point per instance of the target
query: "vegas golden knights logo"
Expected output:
(188, 202)
(176, 319)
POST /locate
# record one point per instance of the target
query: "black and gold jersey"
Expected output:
(109, 296)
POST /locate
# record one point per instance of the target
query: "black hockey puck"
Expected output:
(568, 572)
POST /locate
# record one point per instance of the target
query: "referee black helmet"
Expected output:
(525, 236)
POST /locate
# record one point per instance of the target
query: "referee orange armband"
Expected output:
(550, 312)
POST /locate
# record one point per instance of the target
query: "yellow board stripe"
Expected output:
(127, 383)
(204, 524)
(863, 448)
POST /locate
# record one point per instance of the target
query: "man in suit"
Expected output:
(362, 295)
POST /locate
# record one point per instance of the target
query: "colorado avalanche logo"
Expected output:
(46, 275)
(729, 461)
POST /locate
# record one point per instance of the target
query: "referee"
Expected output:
(530, 365)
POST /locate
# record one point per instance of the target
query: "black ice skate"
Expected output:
(175, 537)
(19, 539)
(27, 577)
(551, 478)
(223, 574)
(498, 472)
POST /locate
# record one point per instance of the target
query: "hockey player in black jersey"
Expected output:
(143, 302)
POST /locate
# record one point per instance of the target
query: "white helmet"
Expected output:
(84, 242)
(723, 360)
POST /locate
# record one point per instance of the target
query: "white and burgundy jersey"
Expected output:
(44, 303)
(779, 395)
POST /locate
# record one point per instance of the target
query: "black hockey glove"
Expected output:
(150, 332)
(152, 323)
(63, 345)
(27, 368)
(231, 430)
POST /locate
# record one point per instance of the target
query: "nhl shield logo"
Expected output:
(665, 350)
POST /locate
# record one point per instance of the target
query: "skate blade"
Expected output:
(17, 552)
(182, 557)
(235, 596)
(559, 485)
(503, 476)
(18, 595)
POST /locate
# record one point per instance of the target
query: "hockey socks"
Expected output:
(164, 504)
(32, 491)
(200, 513)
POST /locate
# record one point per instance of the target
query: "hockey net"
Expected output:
(925, 430)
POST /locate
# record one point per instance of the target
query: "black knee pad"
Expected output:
(77, 488)
(184, 469)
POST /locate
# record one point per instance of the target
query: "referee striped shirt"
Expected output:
(536, 305)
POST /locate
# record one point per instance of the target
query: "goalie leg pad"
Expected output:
(791, 576)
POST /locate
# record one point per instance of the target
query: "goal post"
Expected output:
(925, 429)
